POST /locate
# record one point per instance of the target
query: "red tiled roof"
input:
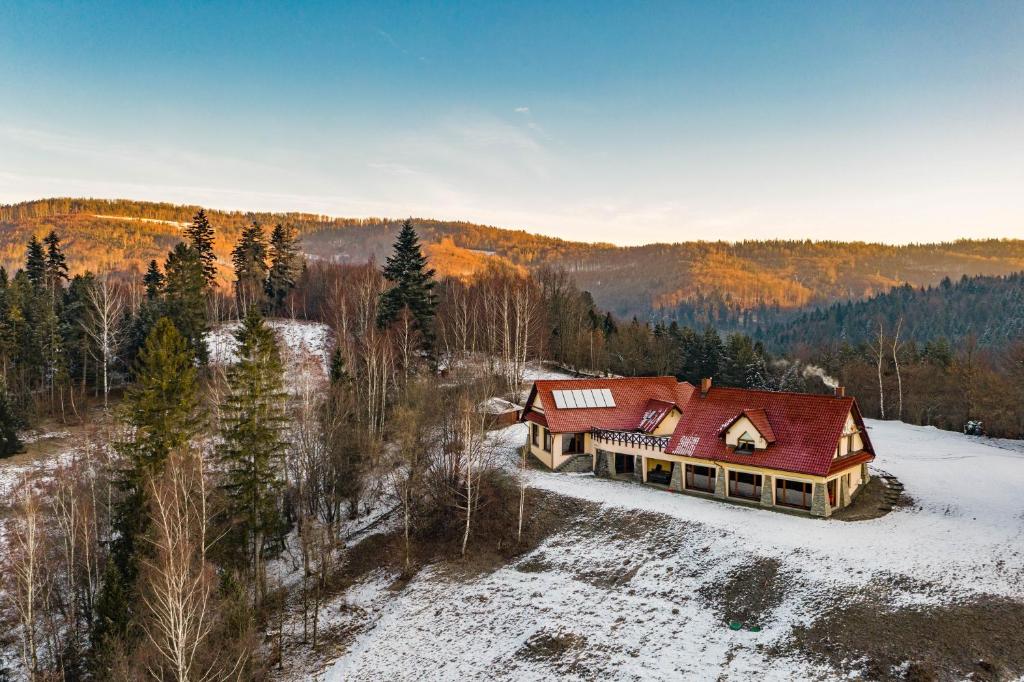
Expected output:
(758, 418)
(654, 412)
(631, 394)
(847, 461)
(536, 418)
(806, 428)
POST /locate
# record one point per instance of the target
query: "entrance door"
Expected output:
(624, 463)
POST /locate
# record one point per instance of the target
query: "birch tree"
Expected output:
(103, 325)
(179, 581)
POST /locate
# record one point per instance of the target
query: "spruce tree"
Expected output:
(161, 406)
(284, 264)
(249, 259)
(56, 263)
(200, 236)
(252, 448)
(153, 281)
(10, 444)
(161, 411)
(35, 263)
(185, 297)
(412, 284)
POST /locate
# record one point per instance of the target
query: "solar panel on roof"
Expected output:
(580, 398)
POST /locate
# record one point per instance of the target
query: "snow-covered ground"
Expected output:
(305, 348)
(596, 603)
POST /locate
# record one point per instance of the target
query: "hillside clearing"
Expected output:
(643, 585)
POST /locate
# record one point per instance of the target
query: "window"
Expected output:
(548, 440)
(793, 493)
(849, 442)
(700, 478)
(536, 435)
(745, 444)
(744, 485)
(572, 443)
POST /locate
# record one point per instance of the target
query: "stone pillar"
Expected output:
(720, 482)
(844, 492)
(864, 475)
(677, 477)
(639, 474)
(767, 499)
(603, 467)
(819, 501)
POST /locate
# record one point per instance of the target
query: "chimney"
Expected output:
(840, 391)
(705, 386)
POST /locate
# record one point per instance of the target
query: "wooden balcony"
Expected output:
(632, 440)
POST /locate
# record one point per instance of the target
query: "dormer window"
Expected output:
(745, 444)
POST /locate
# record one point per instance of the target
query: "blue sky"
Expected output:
(623, 122)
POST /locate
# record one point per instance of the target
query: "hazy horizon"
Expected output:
(718, 122)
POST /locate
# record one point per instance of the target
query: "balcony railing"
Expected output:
(642, 441)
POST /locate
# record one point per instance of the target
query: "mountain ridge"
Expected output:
(726, 283)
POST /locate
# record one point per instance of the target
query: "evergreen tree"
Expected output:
(56, 267)
(35, 263)
(200, 237)
(161, 406)
(253, 446)
(337, 371)
(412, 284)
(73, 320)
(185, 297)
(153, 281)
(711, 353)
(284, 264)
(10, 444)
(161, 411)
(249, 259)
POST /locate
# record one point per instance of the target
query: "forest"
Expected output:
(733, 286)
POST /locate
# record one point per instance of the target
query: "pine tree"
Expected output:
(249, 259)
(200, 236)
(153, 281)
(252, 448)
(35, 263)
(284, 263)
(412, 284)
(185, 297)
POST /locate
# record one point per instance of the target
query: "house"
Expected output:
(797, 451)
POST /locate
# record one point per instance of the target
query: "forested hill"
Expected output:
(991, 309)
(740, 284)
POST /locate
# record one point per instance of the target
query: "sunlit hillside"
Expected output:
(691, 281)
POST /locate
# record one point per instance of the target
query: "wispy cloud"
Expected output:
(522, 110)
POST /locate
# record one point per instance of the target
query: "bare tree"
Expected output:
(896, 364)
(878, 351)
(178, 597)
(103, 325)
(26, 574)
